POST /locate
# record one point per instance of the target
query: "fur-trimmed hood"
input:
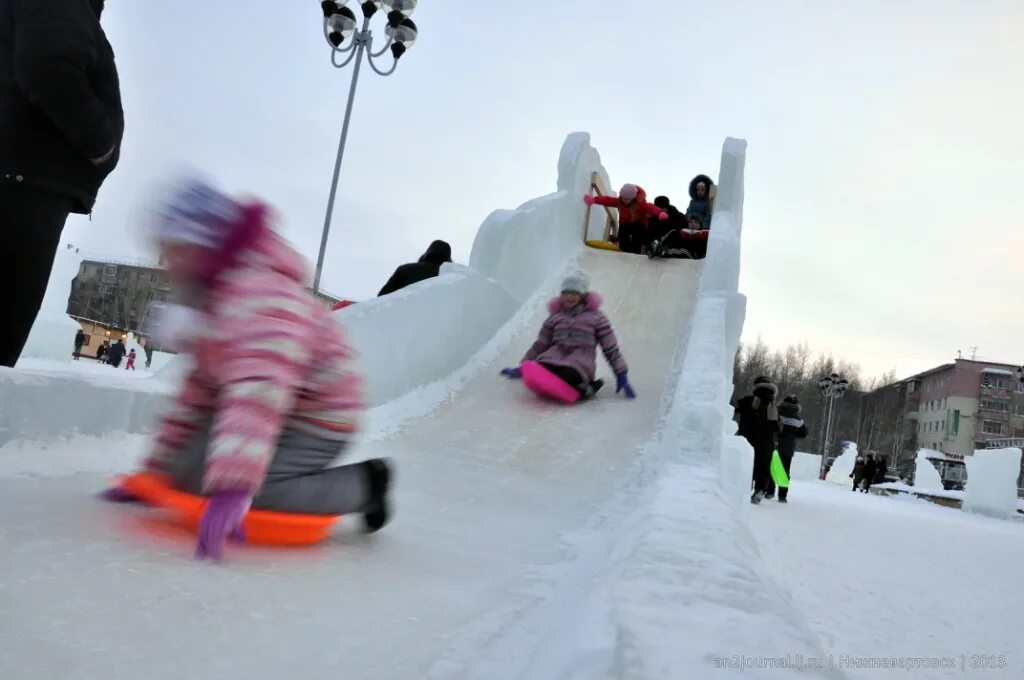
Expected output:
(591, 301)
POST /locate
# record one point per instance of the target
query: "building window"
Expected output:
(954, 424)
(110, 270)
(991, 427)
(106, 288)
(993, 381)
(994, 405)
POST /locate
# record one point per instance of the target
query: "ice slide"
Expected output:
(530, 540)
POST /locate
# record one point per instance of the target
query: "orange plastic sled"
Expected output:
(262, 527)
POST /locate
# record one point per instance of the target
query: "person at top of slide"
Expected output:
(568, 340)
(634, 212)
(273, 397)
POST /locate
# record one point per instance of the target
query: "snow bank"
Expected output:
(423, 333)
(521, 249)
(926, 477)
(806, 466)
(842, 466)
(992, 482)
(39, 406)
(701, 427)
(53, 334)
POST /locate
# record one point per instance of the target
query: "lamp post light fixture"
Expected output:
(349, 44)
(833, 387)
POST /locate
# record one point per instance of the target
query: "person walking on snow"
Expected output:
(634, 213)
(757, 418)
(793, 428)
(858, 472)
(61, 124)
(568, 340)
(274, 396)
(130, 366)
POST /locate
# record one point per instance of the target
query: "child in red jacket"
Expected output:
(131, 361)
(634, 212)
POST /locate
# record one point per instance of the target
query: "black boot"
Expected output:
(377, 510)
(591, 390)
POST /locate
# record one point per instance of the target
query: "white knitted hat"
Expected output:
(577, 282)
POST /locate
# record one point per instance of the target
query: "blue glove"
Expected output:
(622, 383)
(222, 518)
(513, 373)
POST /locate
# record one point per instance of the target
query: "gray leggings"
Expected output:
(298, 479)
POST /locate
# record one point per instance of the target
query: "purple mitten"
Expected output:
(222, 518)
(118, 494)
(622, 384)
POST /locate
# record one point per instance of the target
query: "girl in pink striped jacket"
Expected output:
(273, 397)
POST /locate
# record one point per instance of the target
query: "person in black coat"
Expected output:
(428, 267)
(858, 472)
(115, 353)
(79, 341)
(61, 124)
(870, 468)
(758, 418)
(700, 199)
(792, 427)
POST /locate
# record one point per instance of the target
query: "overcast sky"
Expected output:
(885, 170)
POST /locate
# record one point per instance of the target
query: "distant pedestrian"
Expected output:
(793, 428)
(870, 469)
(758, 419)
(79, 342)
(858, 472)
(428, 266)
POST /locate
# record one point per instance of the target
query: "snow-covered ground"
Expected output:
(896, 576)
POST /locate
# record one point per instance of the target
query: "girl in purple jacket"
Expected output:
(567, 344)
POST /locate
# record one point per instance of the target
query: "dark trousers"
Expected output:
(787, 460)
(674, 244)
(299, 478)
(31, 222)
(569, 375)
(762, 467)
(632, 237)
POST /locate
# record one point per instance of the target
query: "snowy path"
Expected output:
(489, 487)
(889, 577)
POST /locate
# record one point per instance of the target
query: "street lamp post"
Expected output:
(343, 39)
(833, 387)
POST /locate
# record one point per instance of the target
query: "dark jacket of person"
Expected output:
(758, 417)
(60, 100)
(428, 267)
(870, 468)
(676, 219)
(79, 339)
(881, 469)
(116, 353)
(700, 206)
(858, 471)
(793, 428)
